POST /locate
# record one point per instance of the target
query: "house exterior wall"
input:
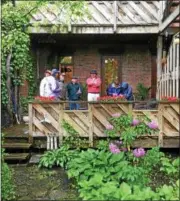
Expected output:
(84, 61)
(135, 63)
(136, 66)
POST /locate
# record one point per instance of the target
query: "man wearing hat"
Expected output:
(93, 86)
(73, 92)
(47, 85)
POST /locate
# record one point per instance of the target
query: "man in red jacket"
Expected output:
(93, 86)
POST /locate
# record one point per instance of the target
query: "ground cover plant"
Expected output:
(115, 171)
(7, 187)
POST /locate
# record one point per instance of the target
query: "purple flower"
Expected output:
(135, 122)
(114, 149)
(153, 125)
(139, 152)
(109, 127)
(116, 115)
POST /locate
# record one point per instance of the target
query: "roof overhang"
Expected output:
(97, 29)
(170, 19)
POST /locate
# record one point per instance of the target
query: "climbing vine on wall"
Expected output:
(17, 62)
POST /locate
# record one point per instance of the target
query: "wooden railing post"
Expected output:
(30, 111)
(161, 124)
(61, 114)
(90, 115)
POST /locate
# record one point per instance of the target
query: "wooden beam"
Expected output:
(90, 117)
(128, 13)
(140, 11)
(150, 9)
(159, 66)
(30, 111)
(100, 9)
(115, 16)
(170, 19)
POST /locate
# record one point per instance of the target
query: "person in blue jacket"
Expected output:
(74, 92)
(126, 91)
(114, 89)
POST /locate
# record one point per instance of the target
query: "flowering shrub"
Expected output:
(170, 98)
(129, 128)
(112, 98)
(114, 149)
(139, 152)
(109, 127)
(153, 125)
(135, 122)
(43, 98)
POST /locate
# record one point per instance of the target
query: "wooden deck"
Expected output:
(47, 117)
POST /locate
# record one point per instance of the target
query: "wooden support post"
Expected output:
(90, 115)
(159, 70)
(177, 71)
(115, 16)
(173, 69)
(30, 108)
(161, 124)
(61, 116)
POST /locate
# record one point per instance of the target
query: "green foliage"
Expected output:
(142, 91)
(123, 127)
(152, 159)
(102, 175)
(69, 129)
(73, 138)
(122, 122)
(58, 157)
(91, 161)
(7, 186)
(24, 103)
(103, 145)
(16, 42)
(170, 167)
(114, 191)
(128, 136)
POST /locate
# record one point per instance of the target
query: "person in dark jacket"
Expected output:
(126, 91)
(114, 89)
(74, 92)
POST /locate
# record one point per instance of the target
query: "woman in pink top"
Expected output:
(93, 86)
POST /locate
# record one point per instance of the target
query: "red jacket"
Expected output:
(93, 85)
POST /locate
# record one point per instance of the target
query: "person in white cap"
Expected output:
(47, 85)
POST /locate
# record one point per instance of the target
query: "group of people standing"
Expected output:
(53, 85)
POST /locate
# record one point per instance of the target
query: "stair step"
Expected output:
(17, 156)
(16, 145)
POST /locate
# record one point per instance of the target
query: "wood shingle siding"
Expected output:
(106, 17)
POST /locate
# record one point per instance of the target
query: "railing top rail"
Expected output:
(100, 102)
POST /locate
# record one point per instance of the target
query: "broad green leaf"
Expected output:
(125, 190)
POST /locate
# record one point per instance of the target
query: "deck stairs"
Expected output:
(17, 148)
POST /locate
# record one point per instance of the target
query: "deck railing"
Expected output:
(168, 80)
(47, 117)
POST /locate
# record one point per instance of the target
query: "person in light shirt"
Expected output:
(47, 85)
(93, 86)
